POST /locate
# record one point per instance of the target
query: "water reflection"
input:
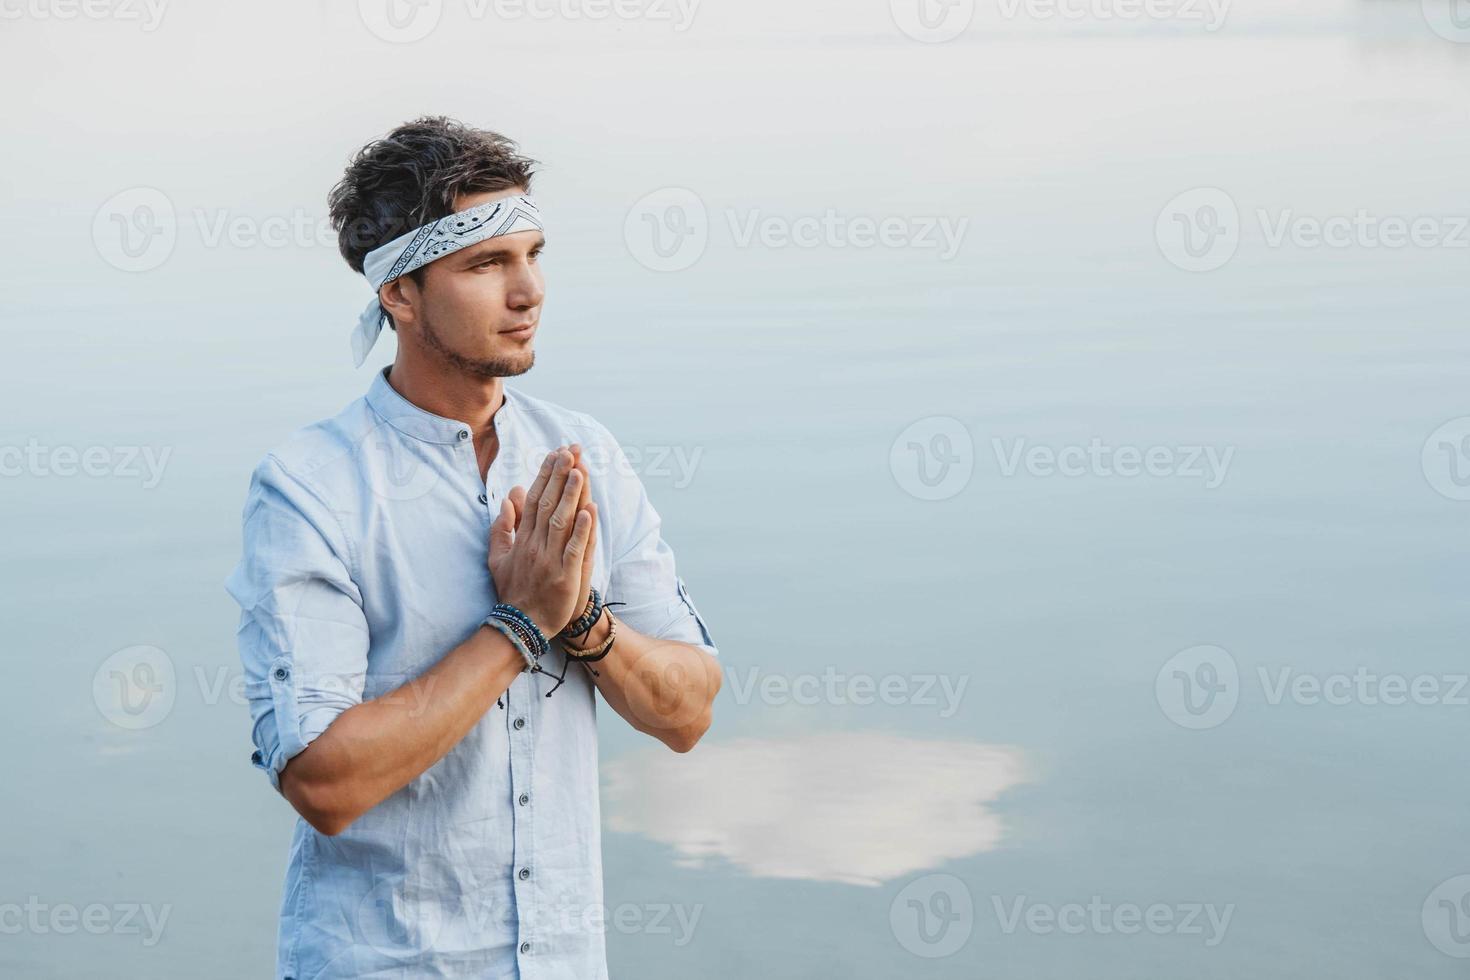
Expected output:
(855, 807)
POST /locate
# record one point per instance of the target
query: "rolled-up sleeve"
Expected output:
(643, 575)
(303, 638)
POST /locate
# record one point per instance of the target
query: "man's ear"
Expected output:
(398, 298)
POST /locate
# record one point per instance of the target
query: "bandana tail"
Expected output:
(365, 335)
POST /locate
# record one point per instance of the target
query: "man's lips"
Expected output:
(521, 332)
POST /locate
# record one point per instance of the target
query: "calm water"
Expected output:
(1043, 725)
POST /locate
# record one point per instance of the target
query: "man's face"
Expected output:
(478, 309)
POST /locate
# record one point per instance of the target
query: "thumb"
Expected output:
(503, 531)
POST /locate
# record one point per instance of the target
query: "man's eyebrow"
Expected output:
(477, 254)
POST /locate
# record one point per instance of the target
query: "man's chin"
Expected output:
(502, 366)
(506, 362)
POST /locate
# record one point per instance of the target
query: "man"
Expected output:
(422, 575)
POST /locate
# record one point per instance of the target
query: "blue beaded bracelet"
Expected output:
(530, 641)
(525, 643)
(510, 633)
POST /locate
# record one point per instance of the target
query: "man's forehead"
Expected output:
(519, 240)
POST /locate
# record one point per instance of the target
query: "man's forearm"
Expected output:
(662, 688)
(375, 748)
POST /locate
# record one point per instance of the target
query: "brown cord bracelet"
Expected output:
(589, 656)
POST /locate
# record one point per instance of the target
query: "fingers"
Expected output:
(581, 464)
(585, 498)
(577, 543)
(530, 511)
(560, 523)
(517, 499)
(551, 494)
(590, 549)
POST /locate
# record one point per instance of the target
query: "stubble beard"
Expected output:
(475, 367)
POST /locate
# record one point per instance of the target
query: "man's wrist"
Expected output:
(599, 631)
(586, 618)
(531, 614)
(528, 635)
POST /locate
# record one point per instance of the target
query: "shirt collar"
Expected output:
(417, 423)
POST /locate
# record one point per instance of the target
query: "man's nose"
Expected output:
(527, 290)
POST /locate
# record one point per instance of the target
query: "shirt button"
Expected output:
(525, 947)
(520, 723)
(282, 673)
(464, 434)
(484, 499)
(523, 800)
(524, 873)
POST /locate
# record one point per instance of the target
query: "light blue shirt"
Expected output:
(364, 563)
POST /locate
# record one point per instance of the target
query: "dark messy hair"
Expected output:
(413, 175)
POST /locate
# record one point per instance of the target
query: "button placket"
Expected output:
(484, 496)
(520, 731)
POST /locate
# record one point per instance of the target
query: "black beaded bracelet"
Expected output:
(591, 613)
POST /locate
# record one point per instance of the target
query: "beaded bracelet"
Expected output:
(531, 642)
(525, 643)
(528, 641)
(510, 634)
(591, 613)
(521, 625)
(590, 656)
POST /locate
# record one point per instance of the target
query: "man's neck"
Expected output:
(457, 396)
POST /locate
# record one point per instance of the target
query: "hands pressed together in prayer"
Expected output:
(542, 549)
(543, 543)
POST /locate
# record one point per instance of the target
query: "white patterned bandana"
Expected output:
(434, 241)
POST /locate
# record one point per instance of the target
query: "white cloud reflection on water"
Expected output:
(855, 807)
